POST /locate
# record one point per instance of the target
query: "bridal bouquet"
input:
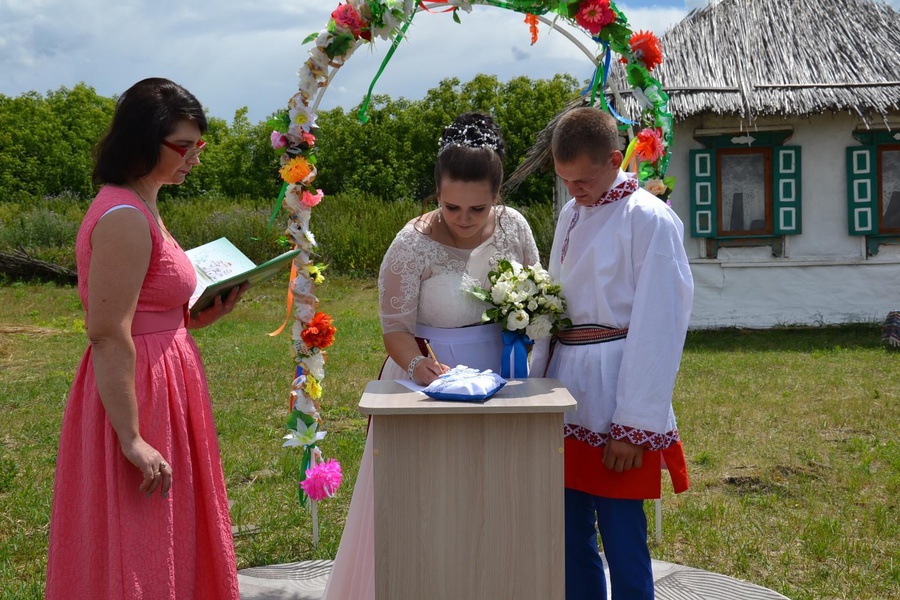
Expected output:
(528, 304)
(525, 300)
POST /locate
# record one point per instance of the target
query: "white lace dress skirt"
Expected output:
(353, 574)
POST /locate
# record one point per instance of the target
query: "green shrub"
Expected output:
(44, 228)
(196, 221)
(543, 224)
(353, 230)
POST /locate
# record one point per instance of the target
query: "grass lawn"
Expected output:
(792, 438)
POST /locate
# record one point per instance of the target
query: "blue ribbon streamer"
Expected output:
(515, 356)
(593, 86)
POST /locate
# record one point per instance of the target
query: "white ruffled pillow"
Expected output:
(463, 384)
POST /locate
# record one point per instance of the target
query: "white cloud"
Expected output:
(235, 53)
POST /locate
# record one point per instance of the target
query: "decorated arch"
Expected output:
(356, 23)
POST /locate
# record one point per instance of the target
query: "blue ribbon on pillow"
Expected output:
(515, 355)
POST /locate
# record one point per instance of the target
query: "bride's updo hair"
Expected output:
(471, 149)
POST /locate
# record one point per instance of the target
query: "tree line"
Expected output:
(46, 142)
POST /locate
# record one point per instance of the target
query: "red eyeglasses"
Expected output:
(186, 153)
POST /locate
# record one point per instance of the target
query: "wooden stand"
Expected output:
(469, 497)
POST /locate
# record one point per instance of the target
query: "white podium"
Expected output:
(469, 497)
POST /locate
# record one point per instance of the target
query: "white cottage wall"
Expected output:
(825, 277)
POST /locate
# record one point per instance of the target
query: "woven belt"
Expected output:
(582, 335)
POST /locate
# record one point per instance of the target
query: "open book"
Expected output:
(220, 266)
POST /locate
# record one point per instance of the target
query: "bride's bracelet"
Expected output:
(412, 365)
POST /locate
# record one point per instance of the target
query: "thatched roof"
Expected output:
(752, 58)
(782, 57)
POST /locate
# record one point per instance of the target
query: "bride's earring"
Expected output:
(439, 212)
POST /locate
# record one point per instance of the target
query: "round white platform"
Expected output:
(306, 580)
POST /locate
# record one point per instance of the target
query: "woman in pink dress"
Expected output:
(139, 503)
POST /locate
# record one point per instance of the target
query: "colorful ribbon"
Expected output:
(362, 116)
(603, 67)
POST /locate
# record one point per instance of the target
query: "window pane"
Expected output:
(743, 192)
(890, 189)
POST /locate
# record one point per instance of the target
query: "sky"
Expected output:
(245, 53)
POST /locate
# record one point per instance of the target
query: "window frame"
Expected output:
(783, 210)
(872, 142)
(879, 153)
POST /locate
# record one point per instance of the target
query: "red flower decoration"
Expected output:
(649, 146)
(319, 333)
(646, 48)
(594, 15)
(346, 17)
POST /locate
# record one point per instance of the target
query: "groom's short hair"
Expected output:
(584, 131)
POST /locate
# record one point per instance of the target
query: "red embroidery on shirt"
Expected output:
(650, 440)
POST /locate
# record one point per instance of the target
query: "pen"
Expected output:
(431, 352)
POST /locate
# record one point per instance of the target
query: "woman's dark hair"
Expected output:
(471, 149)
(145, 114)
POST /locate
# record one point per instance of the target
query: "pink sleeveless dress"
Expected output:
(107, 539)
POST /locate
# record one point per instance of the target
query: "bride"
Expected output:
(424, 275)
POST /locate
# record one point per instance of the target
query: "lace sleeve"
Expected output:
(518, 240)
(398, 283)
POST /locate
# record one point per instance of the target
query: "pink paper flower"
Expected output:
(594, 15)
(323, 480)
(309, 199)
(279, 140)
(308, 138)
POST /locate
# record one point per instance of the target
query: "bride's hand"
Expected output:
(428, 370)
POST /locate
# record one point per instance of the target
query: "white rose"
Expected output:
(539, 328)
(532, 305)
(517, 320)
(527, 287)
(500, 291)
(541, 275)
(553, 303)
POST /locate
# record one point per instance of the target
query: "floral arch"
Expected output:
(358, 22)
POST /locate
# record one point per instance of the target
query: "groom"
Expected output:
(618, 252)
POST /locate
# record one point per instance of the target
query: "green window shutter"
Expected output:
(704, 217)
(862, 190)
(786, 190)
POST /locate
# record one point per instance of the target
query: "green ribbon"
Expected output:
(362, 116)
(277, 208)
(531, 7)
(304, 465)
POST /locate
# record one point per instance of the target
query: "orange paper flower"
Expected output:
(532, 21)
(646, 48)
(296, 170)
(649, 146)
(319, 333)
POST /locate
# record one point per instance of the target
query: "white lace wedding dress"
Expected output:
(422, 291)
